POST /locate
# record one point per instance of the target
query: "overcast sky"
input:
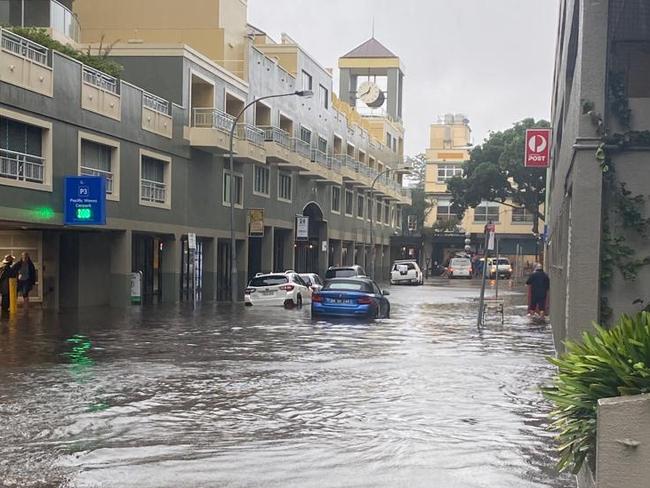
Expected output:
(489, 59)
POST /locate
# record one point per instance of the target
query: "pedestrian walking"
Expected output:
(25, 270)
(539, 284)
(6, 272)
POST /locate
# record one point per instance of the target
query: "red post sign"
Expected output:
(538, 148)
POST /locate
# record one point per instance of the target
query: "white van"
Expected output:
(406, 272)
(460, 268)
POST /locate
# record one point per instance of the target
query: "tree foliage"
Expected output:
(496, 173)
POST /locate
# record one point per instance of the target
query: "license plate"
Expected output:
(268, 292)
(340, 300)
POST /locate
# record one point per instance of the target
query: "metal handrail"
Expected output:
(212, 118)
(21, 166)
(277, 135)
(153, 191)
(24, 48)
(319, 157)
(155, 103)
(100, 80)
(301, 147)
(87, 171)
(250, 133)
(348, 161)
(334, 163)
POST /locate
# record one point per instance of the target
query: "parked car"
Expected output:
(351, 297)
(287, 289)
(503, 267)
(344, 272)
(460, 267)
(406, 272)
(312, 280)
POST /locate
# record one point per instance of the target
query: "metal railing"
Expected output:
(155, 103)
(277, 135)
(348, 162)
(24, 48)
(301, 147)
(250, 133)
(100, 80)
(153, 191)
(319, 157)
(86, 171)
(213, 118)
(334, 163)
(21, 166)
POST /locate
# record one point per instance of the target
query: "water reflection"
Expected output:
(224, 396)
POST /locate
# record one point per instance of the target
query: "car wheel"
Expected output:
(248, 304)
(299, 304)
(388, 312)
(288, 304)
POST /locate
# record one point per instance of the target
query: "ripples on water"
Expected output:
(239, 397)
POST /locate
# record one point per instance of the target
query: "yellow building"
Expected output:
(450, 143)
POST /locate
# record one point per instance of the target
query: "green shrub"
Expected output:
(100, 62)
(606, 364)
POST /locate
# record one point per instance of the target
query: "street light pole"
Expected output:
(233, 241)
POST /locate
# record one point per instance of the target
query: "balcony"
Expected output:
(153, 192)
(25, 64)
(21, 167)
(325, 171)
(156, 115)
(100, 93)
(249, 143)
(61, 23)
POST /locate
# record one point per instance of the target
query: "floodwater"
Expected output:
(233, 397)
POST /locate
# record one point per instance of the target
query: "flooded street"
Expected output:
(235, 397)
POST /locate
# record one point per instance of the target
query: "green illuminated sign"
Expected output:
(84, 214)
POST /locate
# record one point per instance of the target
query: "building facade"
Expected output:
(449, 148)
(159, 136)
(601, 103)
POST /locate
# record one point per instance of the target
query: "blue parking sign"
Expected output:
(84, 200)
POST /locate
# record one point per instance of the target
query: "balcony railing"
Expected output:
(348, 162)
(301, 147)
(277, 135)
(86, 171)
(155, 103)
(319, 157)
(23, 47)
(100, 80)
(334, 163)
(21, 166)
(212, 118)
(250, 133)
(153, 191)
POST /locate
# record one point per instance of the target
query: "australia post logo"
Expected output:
(538, 148)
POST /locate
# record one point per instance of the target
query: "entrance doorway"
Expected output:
(254, 256)
(307, 258)
(147, 259)
(191, 271)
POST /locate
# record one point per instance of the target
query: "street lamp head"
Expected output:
(304, 93)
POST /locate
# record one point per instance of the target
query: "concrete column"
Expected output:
(49, 274)
(210, 270)
(242, 267)
(323, 254)
(171, 270)
(267, 250)
(289, 252)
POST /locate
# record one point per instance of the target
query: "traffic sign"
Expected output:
(538, 148)
(84, 200)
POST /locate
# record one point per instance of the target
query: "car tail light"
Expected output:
(317, 298)
(416, 274)
(287, 287)
(249, 291)
(364, 300)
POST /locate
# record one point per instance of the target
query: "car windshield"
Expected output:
(348, 286)
(340, 273)
(271, 280)
(460, 263)
(504, 261)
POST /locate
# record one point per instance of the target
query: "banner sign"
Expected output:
(191, 241)
(302, 227)
(256, 222)
(538, 148)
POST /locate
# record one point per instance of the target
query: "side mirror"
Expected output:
(385, 293)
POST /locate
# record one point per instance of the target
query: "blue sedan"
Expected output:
(351, 297)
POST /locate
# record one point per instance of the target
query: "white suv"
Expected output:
(287, 289)
(406, 272)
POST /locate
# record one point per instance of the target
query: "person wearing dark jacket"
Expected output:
(6, 272)
(26, 273)
(539, 284)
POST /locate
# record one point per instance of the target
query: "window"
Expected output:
(155, 176)
(368, 209)
(100, 159)
(398, 218)
(389, 140)
(386, 213)
(323, 97)
(21, 151)
(284, 186)
(305, 134)
(336, 199)
(486, 212)
(261, 177)
(306, 81)
(322, 145)
(378, 211)
(444, 212)
(349, 202)
(449, 171)
(238, 182)
(522, 216)
(360, 204)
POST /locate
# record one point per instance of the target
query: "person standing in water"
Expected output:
(539, 284)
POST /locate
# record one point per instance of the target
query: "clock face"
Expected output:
(370, 94)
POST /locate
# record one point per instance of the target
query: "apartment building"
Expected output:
(450, 143)
(601, 92)
(159, 136)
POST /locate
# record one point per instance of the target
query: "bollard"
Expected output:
(13, 295)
